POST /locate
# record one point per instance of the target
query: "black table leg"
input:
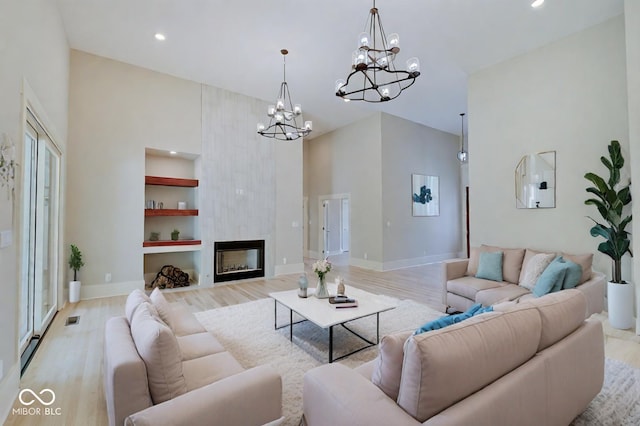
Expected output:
(291, 325)
(377, 327)
(330, 344)
(275, 314)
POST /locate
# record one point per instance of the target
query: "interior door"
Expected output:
(332, 226)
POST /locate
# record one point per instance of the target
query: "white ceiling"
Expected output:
(235, 44)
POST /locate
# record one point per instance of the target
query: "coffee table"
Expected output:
(326, 316)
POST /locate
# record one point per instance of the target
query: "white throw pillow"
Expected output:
(164, 308)
(534, 268)
(135, 298)
(158, 348)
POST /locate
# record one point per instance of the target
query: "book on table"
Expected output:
(343, 302)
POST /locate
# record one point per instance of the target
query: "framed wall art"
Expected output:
(425, 195)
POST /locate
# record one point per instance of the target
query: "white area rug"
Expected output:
(247, 331)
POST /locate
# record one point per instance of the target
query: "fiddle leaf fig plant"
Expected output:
(610, 202)
(75, 261)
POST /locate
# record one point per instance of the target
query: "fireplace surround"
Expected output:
(238, 260)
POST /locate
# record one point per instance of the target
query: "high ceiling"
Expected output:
(235, 44)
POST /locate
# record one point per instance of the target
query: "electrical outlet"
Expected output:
(284, 260)
(107, 277)
(6, 238)
(365, 256)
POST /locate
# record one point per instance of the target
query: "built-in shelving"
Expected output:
(169, 182)
(170, 212)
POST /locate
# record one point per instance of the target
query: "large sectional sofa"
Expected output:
(461, 288)
(161, 367)
(535, 362)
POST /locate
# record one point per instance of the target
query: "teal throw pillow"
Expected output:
(551, 278)
(446, 320)
(573, 276)
(490, 266)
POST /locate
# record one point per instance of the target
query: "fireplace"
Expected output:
(238, 260)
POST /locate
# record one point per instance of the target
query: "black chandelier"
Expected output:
(284, 115)
(374, 77)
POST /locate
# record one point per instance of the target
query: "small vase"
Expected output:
(303, 283)
(321, 289)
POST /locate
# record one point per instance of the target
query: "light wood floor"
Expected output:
(69, 360)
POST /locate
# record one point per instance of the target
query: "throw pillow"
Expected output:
(490, 266)
(135, 298)
(511, 262)
(474, 258)
(534, 268)
(585, 261)
(573, 275)
(158, 347)
(163, 307)
(551, 278)
(447, 320)
(387, 369)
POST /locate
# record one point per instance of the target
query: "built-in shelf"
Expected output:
(168, 181)
(160, 247)
(170, 212)
(171, 243)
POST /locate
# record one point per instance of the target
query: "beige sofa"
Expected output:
(161, 367)
(461, 289)
(534, 363)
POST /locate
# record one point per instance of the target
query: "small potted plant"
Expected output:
(611, 199)
(75, 263)
(175, 235)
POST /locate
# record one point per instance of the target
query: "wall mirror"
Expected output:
(536, 181)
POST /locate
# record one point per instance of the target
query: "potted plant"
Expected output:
(75, 263)
(175, 235)
(611, 199)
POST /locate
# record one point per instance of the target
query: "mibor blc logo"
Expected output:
(46, 397)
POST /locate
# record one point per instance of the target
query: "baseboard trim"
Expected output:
(96, 291)
(417, 261)
(9, 388)
(293, 268)
(366, 264)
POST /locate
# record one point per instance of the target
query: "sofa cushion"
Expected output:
(388, 364)
(135, 298)
(585, 261)
(490, 266)
(511, 262)
(561, 314)
(160, 352)
(474, 258)
(198, 345)
(163, 307)
(551, 278)
(469, 286)
(445, 366)
(184, 322)
(500, 294)
(202, 371)
(534, 268)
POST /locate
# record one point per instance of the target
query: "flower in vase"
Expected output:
(321, 267)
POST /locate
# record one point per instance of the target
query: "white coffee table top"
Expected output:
(325, 315)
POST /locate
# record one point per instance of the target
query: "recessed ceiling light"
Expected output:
(172, 152)
(160, 36)
(537, 3)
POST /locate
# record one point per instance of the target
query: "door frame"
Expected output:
(321, 200)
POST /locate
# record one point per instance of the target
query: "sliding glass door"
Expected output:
(40, 218)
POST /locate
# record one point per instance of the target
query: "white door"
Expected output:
(344, 236)
(39, 246)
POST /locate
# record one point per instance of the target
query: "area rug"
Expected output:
(247, 331)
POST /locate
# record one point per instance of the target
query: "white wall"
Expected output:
(115, 111)
(569, 96)
(408, 148)
(632, 28)
(33, 47)
(372, 160)
(348, 161)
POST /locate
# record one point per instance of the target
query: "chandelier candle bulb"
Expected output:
(297, 109)
(394, 41)
(260, 127)
(363, 40)
(308, 125)
(271, 110)
(280, 104)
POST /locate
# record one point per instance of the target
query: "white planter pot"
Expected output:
(620, 305)
(74, 291)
